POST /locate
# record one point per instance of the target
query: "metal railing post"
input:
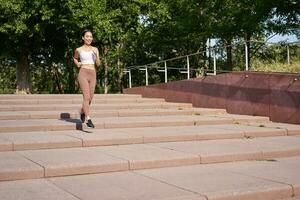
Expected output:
(129, 73)
(188, 67)
(146, 73)
(166, 72)
(146, 69)
(129, 76)
(288, 54)
(246, 56)
(215, 63)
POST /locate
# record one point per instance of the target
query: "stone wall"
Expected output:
(276, 95)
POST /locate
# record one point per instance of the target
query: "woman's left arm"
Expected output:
(97, 61)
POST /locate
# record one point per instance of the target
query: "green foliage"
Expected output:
(8, 77)
(275, 67)
(273, 58)
(136, 32)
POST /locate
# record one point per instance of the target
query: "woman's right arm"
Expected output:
(76, 58)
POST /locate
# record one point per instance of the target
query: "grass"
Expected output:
(294, 67)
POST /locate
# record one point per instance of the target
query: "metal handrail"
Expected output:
(188, 69)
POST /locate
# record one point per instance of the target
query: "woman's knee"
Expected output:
(87, 98)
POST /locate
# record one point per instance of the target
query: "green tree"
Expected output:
(111, 22)
(22, 26)
(39, 36)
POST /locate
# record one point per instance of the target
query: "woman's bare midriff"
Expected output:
(88, 66)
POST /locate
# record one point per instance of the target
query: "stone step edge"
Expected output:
(282, 190)
(9, 145)
(112, 113)
(62, 96)
(76, 125)
(77, 101)
(95, 106)
(127, 165)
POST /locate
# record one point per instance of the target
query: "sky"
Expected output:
(281, 38)
(275, 39)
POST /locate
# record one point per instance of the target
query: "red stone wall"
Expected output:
(263, 94)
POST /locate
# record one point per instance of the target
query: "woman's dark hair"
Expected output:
(83, 33)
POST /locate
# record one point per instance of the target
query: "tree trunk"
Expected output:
(71, 77)
(106, 69)
(209, 54)
(120, 71)
(23, 74)
(56, 79)
(229, 54)
(204, 47)
(57, 83)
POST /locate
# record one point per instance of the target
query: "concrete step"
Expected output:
(64, 139)
(265, 180)
(212, 154)
(66, 96)
(107, 106)
(16, 115)
(98, 100)
(31, 164)
(122, 122)
(293, 198)
(292, 129)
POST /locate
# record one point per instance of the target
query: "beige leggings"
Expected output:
(87, 82)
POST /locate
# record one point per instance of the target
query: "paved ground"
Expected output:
(142, 149)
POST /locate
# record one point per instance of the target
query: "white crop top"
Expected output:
(87, 57)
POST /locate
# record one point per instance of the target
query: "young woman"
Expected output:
(85, 58)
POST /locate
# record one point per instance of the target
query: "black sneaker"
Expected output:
(90, 124)
(82, 117)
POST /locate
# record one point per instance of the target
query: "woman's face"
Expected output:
(87, 38)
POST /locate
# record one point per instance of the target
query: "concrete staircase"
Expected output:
(142, 149)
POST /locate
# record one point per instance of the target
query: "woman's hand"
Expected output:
(76, 58)
(96, 56)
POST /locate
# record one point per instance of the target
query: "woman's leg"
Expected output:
(85, 89)
(92, 85)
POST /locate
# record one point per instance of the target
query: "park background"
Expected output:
(38, 38)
